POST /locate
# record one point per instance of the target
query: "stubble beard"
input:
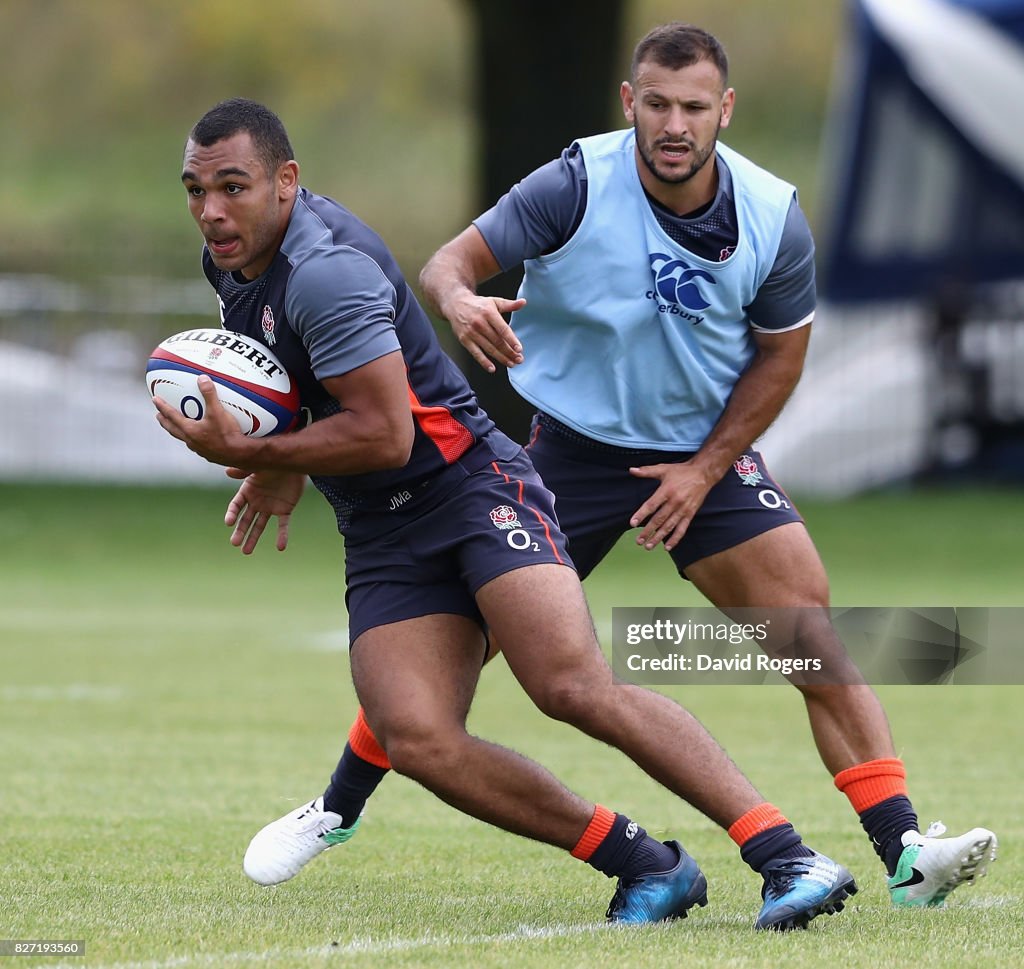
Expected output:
(700, 158)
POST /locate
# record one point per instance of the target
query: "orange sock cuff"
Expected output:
(364, 743)
(871, 783)
(756, 820)
(600, 824)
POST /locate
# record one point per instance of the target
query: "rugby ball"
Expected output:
(251, 382)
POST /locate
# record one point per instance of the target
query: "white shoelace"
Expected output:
(935, 830)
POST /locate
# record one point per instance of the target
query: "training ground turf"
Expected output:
(161, 698)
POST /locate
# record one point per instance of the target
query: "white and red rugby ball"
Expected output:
(251, 382)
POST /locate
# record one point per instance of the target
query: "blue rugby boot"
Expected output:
(797, 889)
(661, 895)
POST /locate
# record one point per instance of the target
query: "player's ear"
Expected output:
(728, 103)
(626, 95)
(288, 180)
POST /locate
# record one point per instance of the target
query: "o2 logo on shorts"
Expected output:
(772, 499)
(504, 518)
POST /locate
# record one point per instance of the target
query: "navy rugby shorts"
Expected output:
(595, 496)
(440, 541)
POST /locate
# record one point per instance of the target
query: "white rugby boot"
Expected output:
(932, 866)
(284, 847)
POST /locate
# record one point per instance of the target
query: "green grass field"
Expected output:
(161, 698)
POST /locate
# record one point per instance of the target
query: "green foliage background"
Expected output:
(377, 95)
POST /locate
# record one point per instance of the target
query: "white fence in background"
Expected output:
(72, 391)
(72, 388)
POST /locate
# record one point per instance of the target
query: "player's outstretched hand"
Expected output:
(480, 327)
(261, 496)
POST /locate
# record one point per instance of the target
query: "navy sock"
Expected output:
(352, 783)
(778, 843)
(628, 851)
(885, 823)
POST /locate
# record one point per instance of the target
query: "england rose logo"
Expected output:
(747, 469)
(504, 517)
(268, 326)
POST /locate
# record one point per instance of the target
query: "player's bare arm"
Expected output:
(449, 281)
(372, 433)
(756, 400)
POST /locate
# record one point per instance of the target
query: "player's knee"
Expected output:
(569, 699)
(419, 750)
(809, 593)
(817, 594)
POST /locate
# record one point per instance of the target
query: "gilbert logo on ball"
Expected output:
(251, 382)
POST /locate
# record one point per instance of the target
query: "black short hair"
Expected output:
(240, 114)
(678, 45)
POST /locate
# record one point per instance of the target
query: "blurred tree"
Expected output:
(546, 74)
